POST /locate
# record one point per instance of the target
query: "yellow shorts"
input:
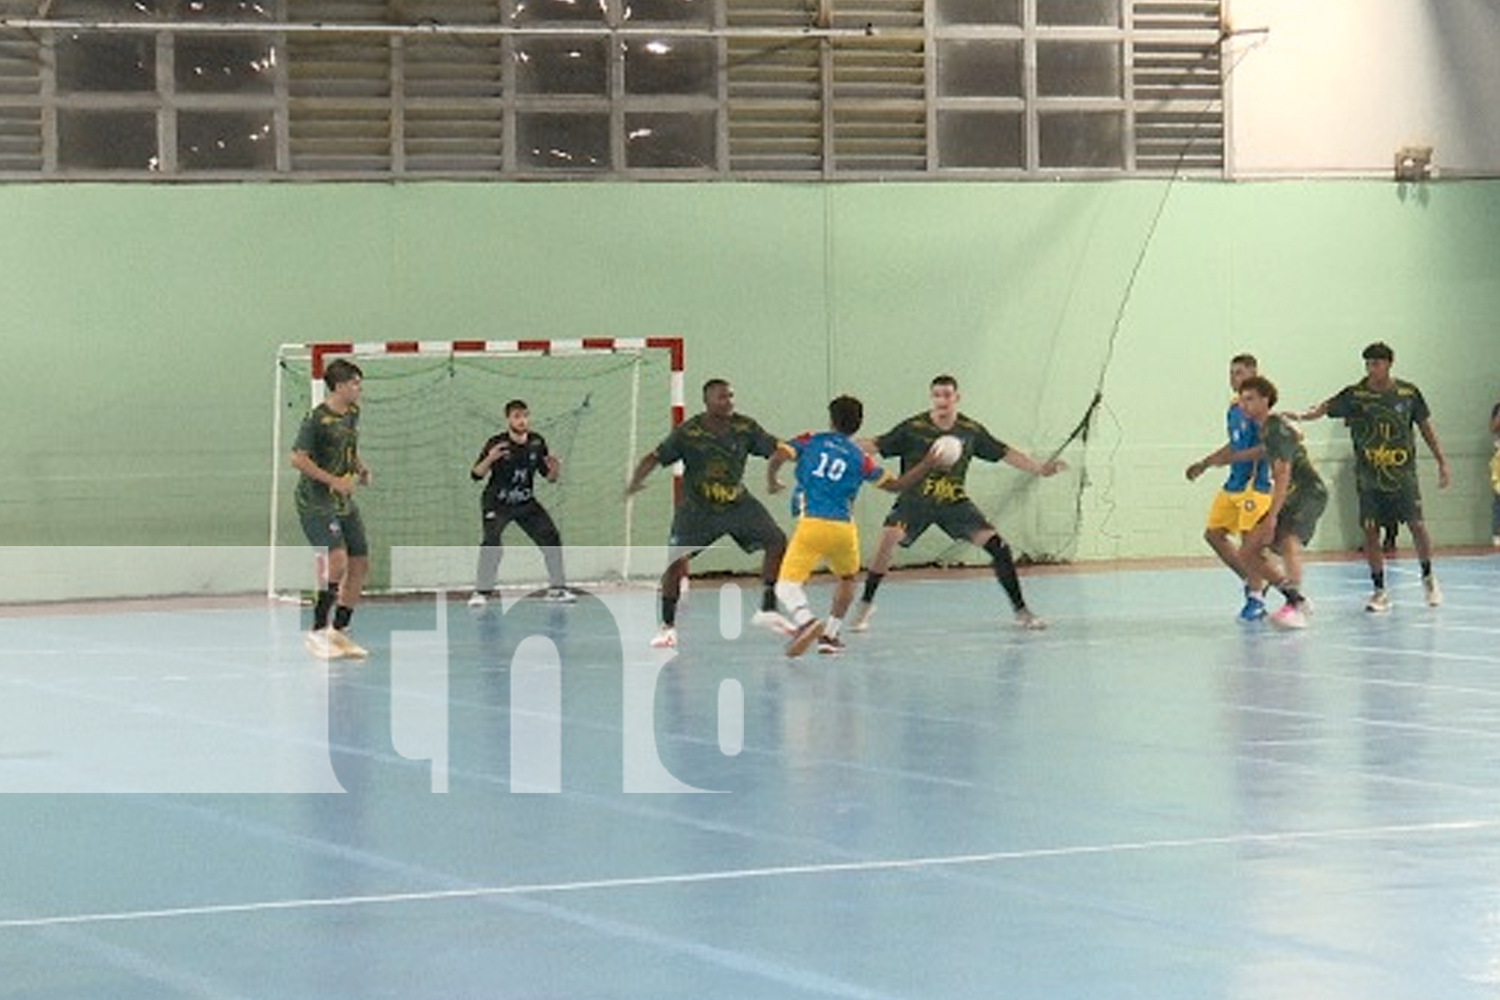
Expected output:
(818, 540)
(1238, 512)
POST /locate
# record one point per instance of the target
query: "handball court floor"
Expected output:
(1150, 799)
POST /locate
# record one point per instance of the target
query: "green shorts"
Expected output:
(329, 529)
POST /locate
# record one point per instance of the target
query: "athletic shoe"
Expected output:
(666, 638)
(861, 620)
(1432, 590)
(1379, 603)
(807, 633)
(319, 645)
(773, 620)
(478, 600)
(830, 645)
(345, 645)
(560, 595)
(1254, 609)
(1289, 616)
(1029, 621)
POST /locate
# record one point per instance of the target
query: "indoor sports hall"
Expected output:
(1080, 210)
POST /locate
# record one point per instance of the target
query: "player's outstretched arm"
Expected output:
(1020, 460)
(909, 478)
(642, 470)
(773, 469)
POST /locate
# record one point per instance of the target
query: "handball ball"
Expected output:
(947, 450)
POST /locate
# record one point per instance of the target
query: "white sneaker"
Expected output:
(560, 595)
(478, 600)
(773, 620)
(861, 620)
(1379, 603)
(345, 645)
(810, 632)
(1432, 590)
(1029, 621)
(665, 638)
(319, 645)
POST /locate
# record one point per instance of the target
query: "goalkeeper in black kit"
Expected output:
(511, 461)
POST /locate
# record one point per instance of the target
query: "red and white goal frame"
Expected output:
(318, 355)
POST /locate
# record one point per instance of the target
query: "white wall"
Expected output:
(1335, 87)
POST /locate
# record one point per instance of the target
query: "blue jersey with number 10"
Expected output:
(831, 467)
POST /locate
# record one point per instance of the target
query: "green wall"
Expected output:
(141, 325)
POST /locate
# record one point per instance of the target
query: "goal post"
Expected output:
(426, 409)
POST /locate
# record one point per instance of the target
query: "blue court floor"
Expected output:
(1150, 799)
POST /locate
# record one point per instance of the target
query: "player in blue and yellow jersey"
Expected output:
(1246, 494)
(326, 453)
(1381, 413)
(831, 467)
(713, 448)
(939, 497)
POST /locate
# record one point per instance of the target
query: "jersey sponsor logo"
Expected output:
(1386, 457)
(719, 492)
(942, 489)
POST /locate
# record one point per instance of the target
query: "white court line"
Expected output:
(746, 874)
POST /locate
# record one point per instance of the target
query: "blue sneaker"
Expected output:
(1254, 609)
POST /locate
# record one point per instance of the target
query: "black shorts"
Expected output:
(696, 527)
(329, 529)
(531, 516)
(1388, 508)
(961, 520)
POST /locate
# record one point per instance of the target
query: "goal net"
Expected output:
(426, 410)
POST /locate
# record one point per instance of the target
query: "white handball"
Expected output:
(946, 451)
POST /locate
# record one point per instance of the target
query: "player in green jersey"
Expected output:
(713, 448)
(1298, 498)
(939, 499)
(326, 453)
(1382, 413)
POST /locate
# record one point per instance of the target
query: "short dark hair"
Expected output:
(846, 414)
(339, 371)
(714, 383)
(1379, 351)
(514, 405)
(1244, 359)
(947, 380)
(1261, 386)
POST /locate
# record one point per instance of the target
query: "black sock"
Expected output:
(668, 610)
(1005, 571)
(872, 584)
(341, 616)
(768, 595)
(1378, 579)
(1426, 568)
(323, 605)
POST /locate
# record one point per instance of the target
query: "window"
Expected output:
(536, 89)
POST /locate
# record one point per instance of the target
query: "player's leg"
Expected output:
(1003, 563)
(352, 584)
(1371, 518)
(492, 525)
(843, 561)
(753, 528)
(542, 530)
(1410, 510)
(898, 529)
(325, 535)
(802, 556)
